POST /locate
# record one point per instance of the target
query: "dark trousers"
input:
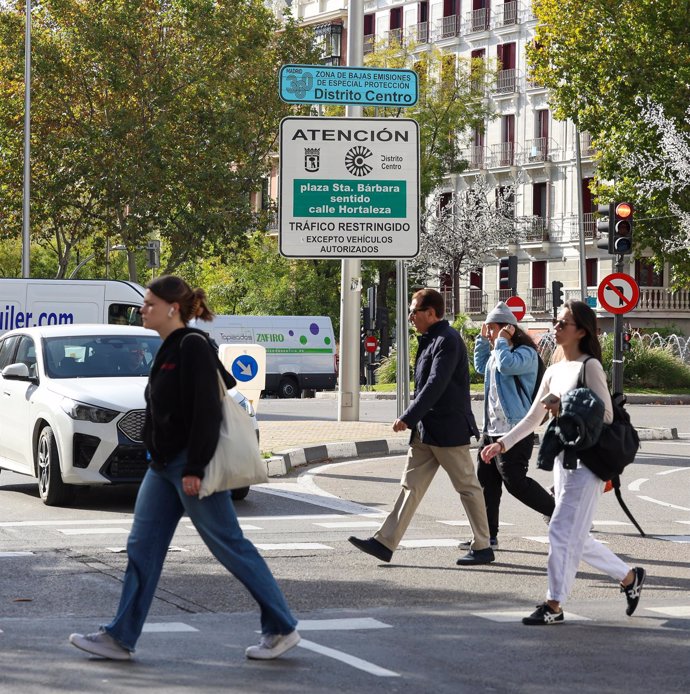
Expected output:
(510, 468)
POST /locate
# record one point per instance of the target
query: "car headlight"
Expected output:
(87, 413)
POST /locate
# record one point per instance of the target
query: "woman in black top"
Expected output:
(181, 430)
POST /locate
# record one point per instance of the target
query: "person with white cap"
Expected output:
(508, 358)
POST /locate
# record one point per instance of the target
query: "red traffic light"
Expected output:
(624, 210)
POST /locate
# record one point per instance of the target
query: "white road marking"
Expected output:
(670, 472)
(610, 522)
(663, 503)
(291, 545)
(47, 523)
(344, 624)
(452, 542)
(351, 660)
(515, 616)
(7, 555)
(671, 611)
(464, 522)
(347, 524)
(120, 550)
(635, 485)
(683, 522)
(309, 516)
(167, 627)
(680, 539)
(94, 531)
(243, 526)
(544, 539)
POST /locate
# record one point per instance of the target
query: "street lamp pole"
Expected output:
(26, 206)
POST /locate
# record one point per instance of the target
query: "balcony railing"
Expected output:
(368, 43)
(477, 20)
(475, 157)
(586, 148)
(476, 301)
(537, 301)
(394, 37)
(419, 33)
(534, 228)
(503, 154)
(506, 81)
(448, 26)
(506, 15)
(661, 299)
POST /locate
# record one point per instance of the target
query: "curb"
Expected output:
(632, 398)
(282, 463)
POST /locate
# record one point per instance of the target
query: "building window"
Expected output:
(592, 272)
(647, 275)
(329, 39)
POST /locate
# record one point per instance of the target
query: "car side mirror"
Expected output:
(16, 372)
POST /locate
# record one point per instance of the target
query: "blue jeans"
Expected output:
(158, 509)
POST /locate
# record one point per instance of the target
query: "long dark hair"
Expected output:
(175, 290)
(586, 320)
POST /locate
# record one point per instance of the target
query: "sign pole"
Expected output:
(350, 277)
(617, 366)
(402, 347)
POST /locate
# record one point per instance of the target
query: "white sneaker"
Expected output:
(102, 644)
(273, 645)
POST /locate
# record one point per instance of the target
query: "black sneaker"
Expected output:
(493, 543)
(632, 592)
(477, 556)
(543, 615)
(373, 547)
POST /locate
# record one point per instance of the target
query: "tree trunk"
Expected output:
(132, 265)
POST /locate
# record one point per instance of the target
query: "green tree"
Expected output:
(149, 118)
(600, 61)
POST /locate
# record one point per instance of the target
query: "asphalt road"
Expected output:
(420, 624)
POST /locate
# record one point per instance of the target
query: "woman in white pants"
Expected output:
(577, 490)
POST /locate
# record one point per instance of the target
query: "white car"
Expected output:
(72, 405)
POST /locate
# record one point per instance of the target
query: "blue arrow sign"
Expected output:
(244, 368)
(324, 84)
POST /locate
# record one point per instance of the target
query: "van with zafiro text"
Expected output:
(300, 350)
(25, 303)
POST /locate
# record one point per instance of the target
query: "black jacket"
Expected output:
(441, 407)
(183, 408)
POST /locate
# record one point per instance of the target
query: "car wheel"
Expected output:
(288, 388)
(53, 491)
(239, 494)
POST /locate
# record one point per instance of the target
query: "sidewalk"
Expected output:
(299, 442)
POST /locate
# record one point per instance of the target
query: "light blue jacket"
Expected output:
(521, 362)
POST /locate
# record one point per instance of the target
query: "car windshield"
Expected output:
(97, 356)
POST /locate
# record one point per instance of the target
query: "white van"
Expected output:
(300, 350)
(25, 303)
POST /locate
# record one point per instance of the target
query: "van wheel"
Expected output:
(288, 388)
(52, 490)
(239, 494)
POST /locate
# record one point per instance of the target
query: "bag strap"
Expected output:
(582, 378)
(221, 383)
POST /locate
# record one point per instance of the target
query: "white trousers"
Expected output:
(577, 494)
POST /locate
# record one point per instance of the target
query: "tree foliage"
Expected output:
(149, 118)
(597, 60)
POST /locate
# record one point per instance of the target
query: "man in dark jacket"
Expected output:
(441, 422)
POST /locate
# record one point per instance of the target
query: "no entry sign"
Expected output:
(370, 344)
(618, 293)
(517, 306)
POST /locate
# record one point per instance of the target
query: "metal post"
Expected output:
(26, 205)
(350, 281)
(617, 366)
(402, 337)
(580, 217)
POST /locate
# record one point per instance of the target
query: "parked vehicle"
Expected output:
(300, 350)
(72, 405)
(25, 303)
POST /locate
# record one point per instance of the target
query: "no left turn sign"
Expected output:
(618, 293)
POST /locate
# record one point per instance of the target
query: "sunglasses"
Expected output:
(413, 311)
(562, 324)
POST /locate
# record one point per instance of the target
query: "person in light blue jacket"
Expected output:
(508, 358)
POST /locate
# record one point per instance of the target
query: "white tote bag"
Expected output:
(237, 461)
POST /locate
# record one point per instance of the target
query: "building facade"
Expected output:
(523, 142)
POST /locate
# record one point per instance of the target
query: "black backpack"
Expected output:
(616, 448)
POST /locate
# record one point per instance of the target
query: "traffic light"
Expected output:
(622, 231)
(557, 293)
(366, 318)
(508, 274)
(153, 253)
(605, 214)
(625, 341)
